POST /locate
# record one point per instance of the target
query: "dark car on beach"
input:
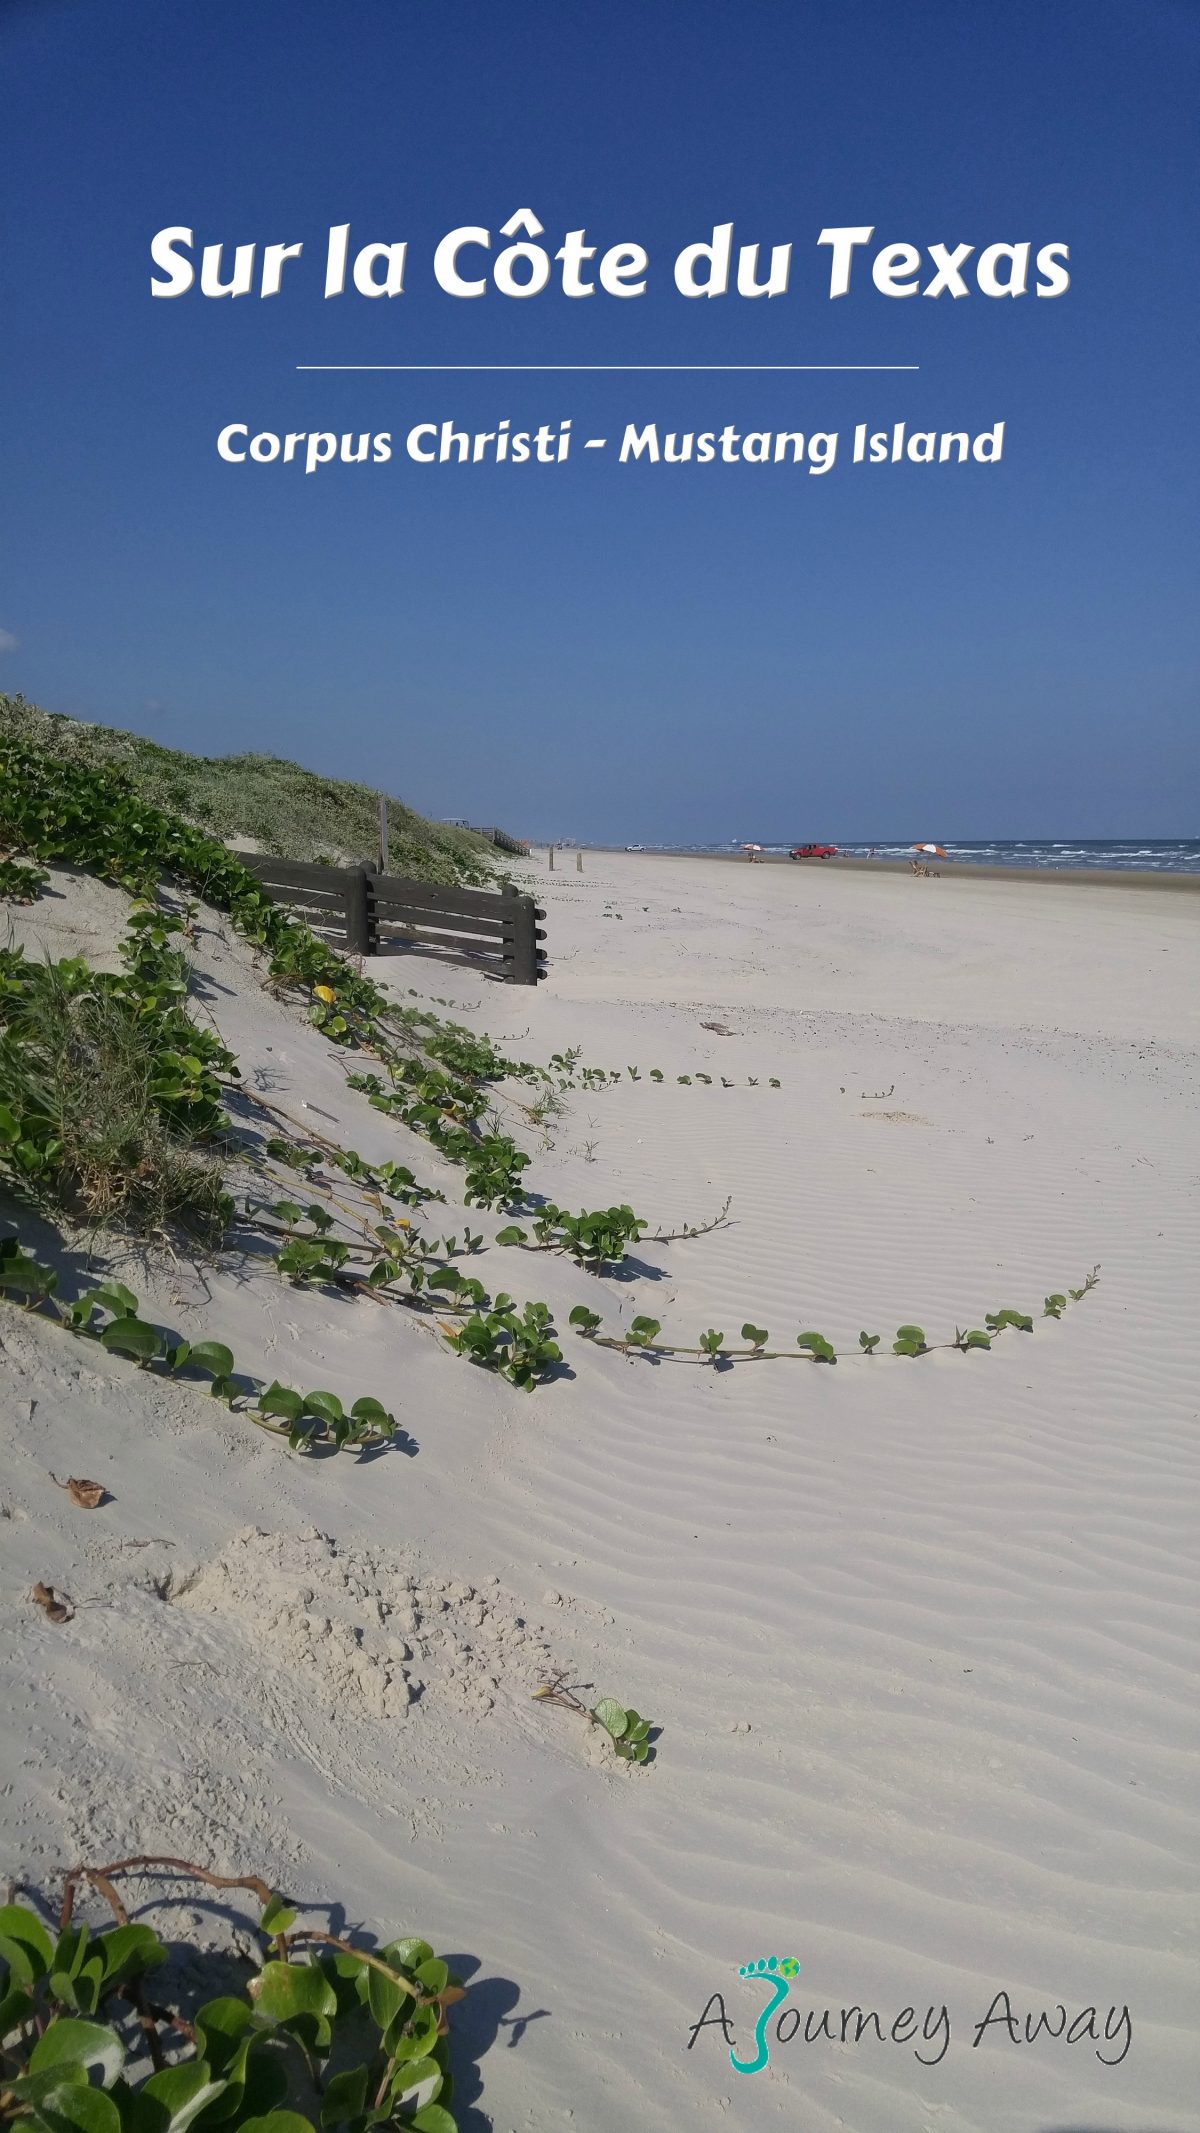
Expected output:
(814, 851)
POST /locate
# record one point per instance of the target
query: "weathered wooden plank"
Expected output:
(496, 915)
(295, 873)
(330, 910)
(453, 921)
(330, 907)
(311, 912)
(391, 888)
(391, 906)
(496, 947)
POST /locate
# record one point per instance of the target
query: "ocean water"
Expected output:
(1171, 855)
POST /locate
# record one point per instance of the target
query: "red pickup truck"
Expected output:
(814, 851)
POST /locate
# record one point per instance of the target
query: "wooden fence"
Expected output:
(494, 836)
(504, 842)
(363, 912)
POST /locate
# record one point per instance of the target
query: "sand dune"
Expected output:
(920, 1634)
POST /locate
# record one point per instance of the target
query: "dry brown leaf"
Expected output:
(56, 1605)
(89, 1495)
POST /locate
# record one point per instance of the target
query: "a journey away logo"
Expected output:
(929, 2034)
(778, 1977)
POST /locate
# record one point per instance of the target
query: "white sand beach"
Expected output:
(919, 1634)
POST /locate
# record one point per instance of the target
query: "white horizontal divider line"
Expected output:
(608, 366)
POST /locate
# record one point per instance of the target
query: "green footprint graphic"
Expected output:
(776, 1973)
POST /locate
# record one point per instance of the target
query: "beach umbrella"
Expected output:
(938, 848)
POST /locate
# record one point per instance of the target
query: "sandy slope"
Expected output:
(918, 1634)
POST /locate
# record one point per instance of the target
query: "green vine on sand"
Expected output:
(632, 1736)
(110, 1315)
(72, 2062)
(642, 1337)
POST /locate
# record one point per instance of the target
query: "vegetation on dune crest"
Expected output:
(291, 812)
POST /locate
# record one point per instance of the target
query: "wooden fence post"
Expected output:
(359, 900)
(579, 862)
(383, 834)
(522, 934)
(552, 859)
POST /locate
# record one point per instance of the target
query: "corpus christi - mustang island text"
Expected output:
(441, 443)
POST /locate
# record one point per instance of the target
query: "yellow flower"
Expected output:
(325, 992)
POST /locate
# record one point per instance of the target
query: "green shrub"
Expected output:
(74, 2061)
(99, 1115)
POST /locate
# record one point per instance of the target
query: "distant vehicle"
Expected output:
(814, 851)
(635, 847)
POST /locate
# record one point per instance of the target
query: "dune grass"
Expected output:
(80, 1067)
(288, 811)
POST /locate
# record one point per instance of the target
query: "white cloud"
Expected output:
(8, 643)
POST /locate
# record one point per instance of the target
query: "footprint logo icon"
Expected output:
(776, 1973)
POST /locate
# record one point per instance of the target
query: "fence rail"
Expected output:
(365, 912)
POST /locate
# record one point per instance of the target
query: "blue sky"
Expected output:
(596, 650)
